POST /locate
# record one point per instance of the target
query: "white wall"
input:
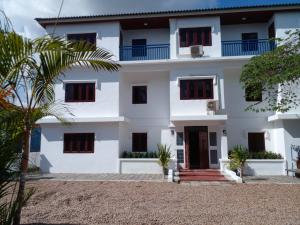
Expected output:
(234, 32)
(153, 36)
(151, 117)
(285, 21)
(108, 33)
(103, 160)
(213, 22)
(191, 107)
(106, 96)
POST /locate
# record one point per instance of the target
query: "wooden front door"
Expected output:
(196, 147)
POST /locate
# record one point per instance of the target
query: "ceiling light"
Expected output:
(244, 18)
(145, 24)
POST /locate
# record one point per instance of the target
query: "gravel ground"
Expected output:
(75, 202)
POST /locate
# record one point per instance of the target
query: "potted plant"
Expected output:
(238, 156)
(164, 156)
(298, 160)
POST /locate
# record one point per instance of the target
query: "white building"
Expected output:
(165, 93)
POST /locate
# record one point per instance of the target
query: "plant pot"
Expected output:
(165, 171)
(298, 163)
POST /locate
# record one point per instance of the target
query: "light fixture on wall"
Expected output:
(172, 132)
(224, 132)
(244, 18)
(145, 24)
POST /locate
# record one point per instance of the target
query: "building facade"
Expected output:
(178, 85)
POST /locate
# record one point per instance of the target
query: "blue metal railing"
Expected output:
(247, 47)
(145, 52)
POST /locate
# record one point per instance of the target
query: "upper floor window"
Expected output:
(250, 97)
(196, 89)
(139, 94)
(195, 36)
(79, 92)
(249, 42)
(256, 142)
(79, 142)
(139, 142)
(87, 37)
(139, 47)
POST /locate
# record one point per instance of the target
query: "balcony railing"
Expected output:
(247, 47)
(145, 52)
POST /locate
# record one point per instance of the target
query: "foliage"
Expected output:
(276, 74)
(264, 155)
(139, 155)
(29, 70)
(164, 155)
(238, 156)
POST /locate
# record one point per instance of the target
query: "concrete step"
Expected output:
(203, 178)
(206, 175)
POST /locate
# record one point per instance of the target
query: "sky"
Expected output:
(22, 12)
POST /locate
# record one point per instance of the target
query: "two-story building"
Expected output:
(178, 85)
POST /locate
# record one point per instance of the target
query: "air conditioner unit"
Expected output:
(196, 51)
(212, 107)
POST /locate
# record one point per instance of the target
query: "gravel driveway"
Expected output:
(59, 202)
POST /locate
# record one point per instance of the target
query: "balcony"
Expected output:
(247, 47)
(145, 52)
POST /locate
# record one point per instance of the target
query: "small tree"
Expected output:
(29, 70)
(275, 74)
(164, 156)
(238, 156)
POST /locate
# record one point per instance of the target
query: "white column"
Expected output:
(224, 144)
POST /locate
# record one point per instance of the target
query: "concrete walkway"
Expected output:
(97, 177)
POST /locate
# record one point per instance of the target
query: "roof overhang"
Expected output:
(199, 118)
(277, 117)
(53, 120)
(170, 14)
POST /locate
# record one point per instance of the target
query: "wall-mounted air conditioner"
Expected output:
(212, 107)
(196, 51)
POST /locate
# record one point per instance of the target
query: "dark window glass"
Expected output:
(214, 156)
(139, 47)
(213, 138)
(249, 42)
(195, 36)
(179, 138)
(180, 157)
(139, 94)
(139, 142)
(253, 94)
(196, 89)
(256, 142)
(79, 143)
(80, 92)
(87, 37)
(35, 141)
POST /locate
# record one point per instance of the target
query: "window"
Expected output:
(253, 94)
(86, 37)
(180, 157)
(249, 42)
(179, 138)
(212, 138)
(79, 143)
(196, 89)
(139, 142)
(256, 142)
(80, 92)
(213, 156)
(139, 94)
(195, 36)
(139, 47)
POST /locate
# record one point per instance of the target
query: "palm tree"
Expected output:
(29, 70)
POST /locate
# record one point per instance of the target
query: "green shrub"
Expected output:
(164, 156)
(238, 156)
(264, 155)
(141, 155)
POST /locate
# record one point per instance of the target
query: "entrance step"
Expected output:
(205, 175)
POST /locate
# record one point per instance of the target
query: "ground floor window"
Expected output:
(139, 142)
(256, 142)
(79, 142)
(180, 157)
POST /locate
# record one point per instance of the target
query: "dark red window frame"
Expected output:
(256, 142)
(87, 37)
(196, 89)
(195, 36)
(139, 142)
(80, 92)
(79, 142)
(139, 94)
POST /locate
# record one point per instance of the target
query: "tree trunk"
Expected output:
(23, 172)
